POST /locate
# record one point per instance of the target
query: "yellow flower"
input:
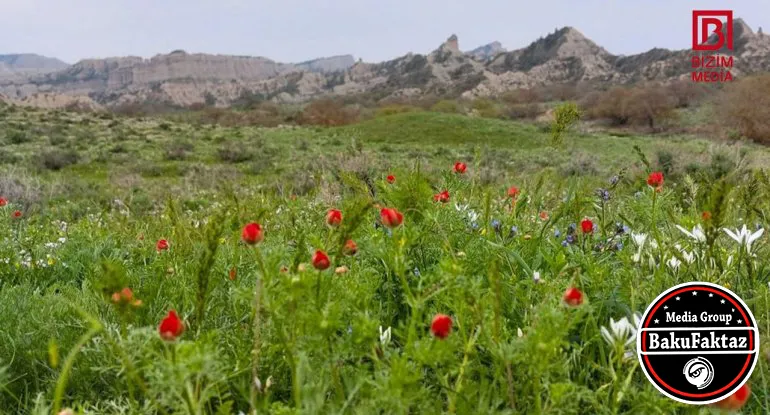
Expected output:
(221, 241)
(51, 261)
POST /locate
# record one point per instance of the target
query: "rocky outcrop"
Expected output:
(486, 52)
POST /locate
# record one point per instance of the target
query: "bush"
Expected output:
(235, 152)
(179, 150)
(58, 159)
(745, 106)
(448, 106)
(328, 113)
(395, 109)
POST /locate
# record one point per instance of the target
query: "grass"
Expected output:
(313, 338)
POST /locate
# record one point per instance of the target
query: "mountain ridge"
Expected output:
(563, 56)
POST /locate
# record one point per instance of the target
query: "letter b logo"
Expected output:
(709, 22)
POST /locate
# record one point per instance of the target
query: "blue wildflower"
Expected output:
(514, 230)
(603, 194)
(475, 225)
(614, 180)
(619, 246)
(564, 243)
(416, 272)
(595, 228)
(496, 224)
(570, 239)
(556, 233)
(571, 228)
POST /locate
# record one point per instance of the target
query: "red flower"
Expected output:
(233, 273)
(162, 245)
(513, 192)
(442, 197)
(333, 217)
(460, 167)
(441, 326)
(391, 179)
(655, 179)
(320, 260)
(735, 401)
(17, 214)
(587, 226)
(391, 217)
(125, 296)
(252, 234)
(350, 247)
(3, 201)
(706, 216)
(171, 327)
(544, 215)
(573, 297)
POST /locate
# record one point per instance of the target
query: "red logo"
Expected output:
(703, 21)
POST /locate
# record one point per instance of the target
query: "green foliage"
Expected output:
(565, 116)
(313, 339)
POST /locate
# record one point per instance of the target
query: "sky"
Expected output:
(298, 30)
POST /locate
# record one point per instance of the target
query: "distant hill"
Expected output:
(17, 66)
(181, 78)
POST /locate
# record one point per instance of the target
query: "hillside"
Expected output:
(184, 79)
(18, 66)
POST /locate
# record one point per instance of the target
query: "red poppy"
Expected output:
(442, 197)
(391, 217)
(573, 297)
(233, 273)
(3, 201)
(513, 192)
(735, 401)
(391, 179)
(350, 247)
(544, 215)
(321, 260)
(333, 217)
(441, 326)
(655, 179)
(252, 234)
(162, 245)
(460, 167)
(17, 214)
(171, 327)
(706, 216)
(587, 226)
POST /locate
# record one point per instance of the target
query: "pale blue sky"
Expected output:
(296, 30)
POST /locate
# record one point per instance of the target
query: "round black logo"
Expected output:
(698, 343)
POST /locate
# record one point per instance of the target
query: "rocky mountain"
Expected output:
(486, 52)
(18, 66)
(180, 78)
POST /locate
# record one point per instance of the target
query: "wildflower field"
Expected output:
(415, 263)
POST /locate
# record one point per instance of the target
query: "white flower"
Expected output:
(639, 238)
(385, 336)
(519, 332)
(473, 216)
(461, 208)
(536, 276)
(744, 237)
(637, 257)
(696, 234)
(621, 331)
(674, 263)
(688, 256)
